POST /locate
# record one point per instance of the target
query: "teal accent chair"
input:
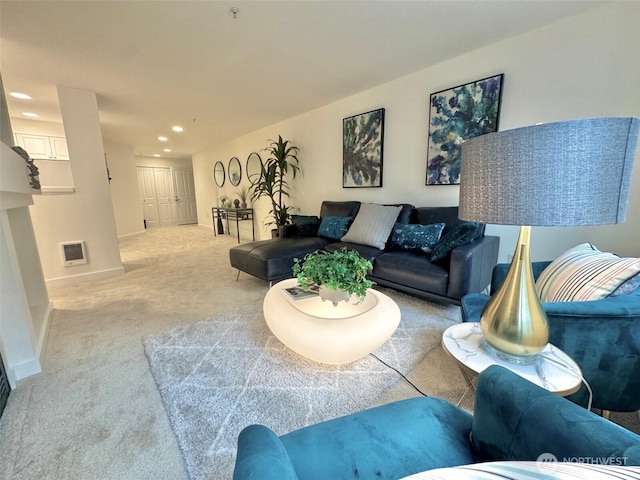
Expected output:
(602, 336)
(513, 420)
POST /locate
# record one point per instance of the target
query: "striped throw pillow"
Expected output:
(531, 471)
(584, 273)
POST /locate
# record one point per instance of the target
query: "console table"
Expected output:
(234, 214)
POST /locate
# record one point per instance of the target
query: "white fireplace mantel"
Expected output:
(25, 308)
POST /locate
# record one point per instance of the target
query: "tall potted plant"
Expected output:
(273, 182)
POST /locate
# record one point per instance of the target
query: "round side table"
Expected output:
(553, 369)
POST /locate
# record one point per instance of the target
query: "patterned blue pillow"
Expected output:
(334, 227)
(416, 237)
(627, 287)
(461, 234)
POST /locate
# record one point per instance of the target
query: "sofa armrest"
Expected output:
(517, 420)
(262, 456)
(471, 266)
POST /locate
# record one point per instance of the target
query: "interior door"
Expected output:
(185, 197)
(164, 195)
(147, 191)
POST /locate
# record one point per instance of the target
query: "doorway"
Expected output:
(167, 195)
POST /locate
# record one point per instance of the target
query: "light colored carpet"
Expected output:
(95, 412)
(222, 374)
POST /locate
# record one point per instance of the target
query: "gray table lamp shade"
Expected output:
(567, 173)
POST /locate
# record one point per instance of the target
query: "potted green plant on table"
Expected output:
(273, 182)
(339, 274)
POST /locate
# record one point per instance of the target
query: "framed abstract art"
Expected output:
(455, 115)
(362, 149)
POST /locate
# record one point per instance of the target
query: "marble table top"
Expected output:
(553, 369)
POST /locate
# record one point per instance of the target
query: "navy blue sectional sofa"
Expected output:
(464, 267)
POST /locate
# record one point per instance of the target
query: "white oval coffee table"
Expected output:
(334, 335)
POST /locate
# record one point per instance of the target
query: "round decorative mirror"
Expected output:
(254, 168)
(235, 171)
(218, 173)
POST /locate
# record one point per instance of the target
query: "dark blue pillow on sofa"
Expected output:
(416, 237)
(461, 234)
(307, 225)
(334, 227)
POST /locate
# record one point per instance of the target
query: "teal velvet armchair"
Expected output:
(602, 336)
(513, 419)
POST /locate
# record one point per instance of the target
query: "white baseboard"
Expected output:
(55, 282)
(134, 234)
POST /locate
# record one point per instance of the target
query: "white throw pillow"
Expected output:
(372, 225)
(584, 273)
(530, 471)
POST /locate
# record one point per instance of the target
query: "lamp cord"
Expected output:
(571, 371)
(399, 373)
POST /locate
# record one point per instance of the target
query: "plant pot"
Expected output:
(333, 296)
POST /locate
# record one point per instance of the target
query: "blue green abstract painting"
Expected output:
(458, 114)
(362, 149)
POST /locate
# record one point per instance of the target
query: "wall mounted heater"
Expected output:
(73, 253)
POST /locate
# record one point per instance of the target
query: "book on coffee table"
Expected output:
(297, 293)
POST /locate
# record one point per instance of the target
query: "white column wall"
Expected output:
(127, 208)
(88, 213)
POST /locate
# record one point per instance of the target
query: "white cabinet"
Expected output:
(42, 146)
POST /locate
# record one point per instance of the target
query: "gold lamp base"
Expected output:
(513, 323)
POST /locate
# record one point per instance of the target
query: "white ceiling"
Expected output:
(154, 64)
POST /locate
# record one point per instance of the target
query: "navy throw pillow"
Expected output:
(416, 237)
(460, 234)
(307, 225)
(334, 227)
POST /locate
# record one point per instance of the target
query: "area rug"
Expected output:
(219, 375)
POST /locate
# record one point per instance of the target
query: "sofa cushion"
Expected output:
(372, 225)
(334, 227)
(307, 225)
(272, 260)
(461, 234)
(365, 251)
(339, 209)
(584, 273)
(415, 237)
(413, 271)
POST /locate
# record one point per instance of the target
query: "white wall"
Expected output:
(584, 66)
(88, 213)
(127, 208)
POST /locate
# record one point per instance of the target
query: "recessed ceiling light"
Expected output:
(177, 128)
(156, 155)
(30, 114)
(22, 96)
(163, 139)
(167, 150)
